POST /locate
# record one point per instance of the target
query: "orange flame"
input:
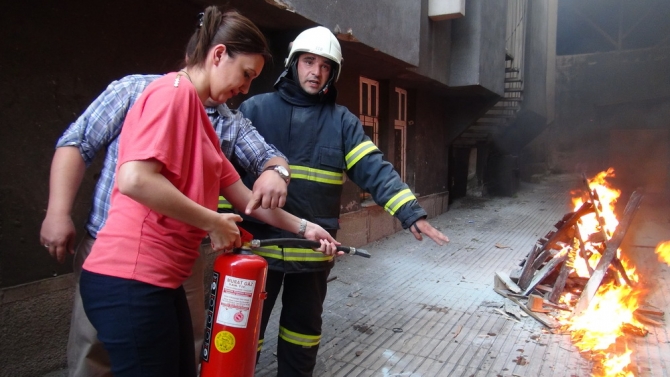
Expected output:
(597, 329)
(663, 252)
(615, 365)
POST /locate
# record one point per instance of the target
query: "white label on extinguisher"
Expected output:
(235, 303)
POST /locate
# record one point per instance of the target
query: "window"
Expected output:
(369, 108)
(400, 125)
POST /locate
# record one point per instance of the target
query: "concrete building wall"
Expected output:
(535, 62)
(552, 24)
(428, 147)
(588, 80)
(58, 57)
(602, 95)
(478, 46)
(435, 51)
(400, 21)
(538, 156)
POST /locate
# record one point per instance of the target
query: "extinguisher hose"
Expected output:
(306, 244)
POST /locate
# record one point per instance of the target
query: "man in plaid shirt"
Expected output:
(99, 127)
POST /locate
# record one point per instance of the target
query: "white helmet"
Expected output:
(319, 41)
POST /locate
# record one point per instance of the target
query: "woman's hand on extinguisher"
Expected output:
(225, 235)
(329, 245)
(329, 248)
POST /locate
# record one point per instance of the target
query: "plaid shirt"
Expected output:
(99, 127)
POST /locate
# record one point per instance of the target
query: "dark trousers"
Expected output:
(145, 329)
(302, 305)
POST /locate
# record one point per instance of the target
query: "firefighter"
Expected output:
(322, 141)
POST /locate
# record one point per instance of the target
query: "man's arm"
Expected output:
(95, 129)
(367, 168)
(254, 155)
(239, 195)
(270, 189)
(143, 182)
(58, 232)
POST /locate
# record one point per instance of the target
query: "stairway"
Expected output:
(502, 114)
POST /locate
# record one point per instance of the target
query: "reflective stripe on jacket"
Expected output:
(322, 141)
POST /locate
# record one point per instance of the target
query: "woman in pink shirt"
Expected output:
(170, 173)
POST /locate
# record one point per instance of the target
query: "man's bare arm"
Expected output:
(58, 233)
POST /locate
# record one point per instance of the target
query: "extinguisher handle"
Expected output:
(306, 244)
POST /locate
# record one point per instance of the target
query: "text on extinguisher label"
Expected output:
(235, 302)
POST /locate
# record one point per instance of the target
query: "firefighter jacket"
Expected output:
(322, 141)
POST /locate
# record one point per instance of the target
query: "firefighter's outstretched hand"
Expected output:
(225, 235)
(329, 245)
(423, 227)
(269, 192)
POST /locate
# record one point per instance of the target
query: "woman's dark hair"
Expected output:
(235, 31)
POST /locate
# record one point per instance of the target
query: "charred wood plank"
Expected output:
(540, 259)
(542, 318)
(545, 271)
(561, 279)
(585, 209)
(528, 271)
(585, 254)
(502, 280)
(562, 221)
(610, 253)
(595, 199)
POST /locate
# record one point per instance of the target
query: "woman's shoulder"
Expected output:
(171, 85)
(167, 80)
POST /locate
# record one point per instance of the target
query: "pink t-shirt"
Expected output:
(167, 124)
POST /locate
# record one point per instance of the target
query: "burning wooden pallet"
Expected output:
(545, 274)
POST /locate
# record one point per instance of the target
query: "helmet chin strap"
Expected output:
(326, 87)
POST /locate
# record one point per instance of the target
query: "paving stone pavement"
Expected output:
(418, 309)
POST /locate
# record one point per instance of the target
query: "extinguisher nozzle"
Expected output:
(359, 252)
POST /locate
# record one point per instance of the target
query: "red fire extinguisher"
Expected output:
(234, 313)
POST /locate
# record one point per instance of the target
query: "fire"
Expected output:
(607, 198)
(599, 330)
(598, 327)
(615, 365)
(663, 252)
(601, 222)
